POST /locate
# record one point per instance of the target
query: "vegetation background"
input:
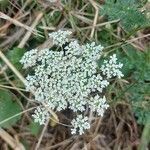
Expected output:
(122, 27)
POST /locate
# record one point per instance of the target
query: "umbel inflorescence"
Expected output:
(69, 77)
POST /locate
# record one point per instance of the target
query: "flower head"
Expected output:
(111, 68)
(60, 37)
(41, 115)
(29, 58)
(98, 105)
(80, 124)
(69, 78)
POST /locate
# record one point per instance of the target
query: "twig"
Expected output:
(127, 41)
(17, 23)
(84, 19)
(18, 114)
(100, 24)
(14, 88)
(41, 136)
(12, 38)
(65, 142)
(3, 69)
(95, 18)
(10, 65)
(97, 126)
(10, 140)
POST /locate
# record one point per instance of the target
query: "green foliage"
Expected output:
(4, 4)
(127, 12)
(105, 37)
(139, 96)
(8, 108)
(25, 144)
(137, 67)
(53, 19)
(140, 62)
(15, 55)
(35, 128)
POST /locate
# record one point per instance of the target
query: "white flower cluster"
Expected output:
(41, 115)
(98, 105)
(29, 58)
(80, 124)
(111, 68)
(60, 37)
(69, 78)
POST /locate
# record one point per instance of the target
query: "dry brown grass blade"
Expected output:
(41, 136)
(10, 140)
(12, 39)
(130, 41)
(82, 18)
(11, 87)
(47, 44)
(11, 66)
(100, 24)
(28, 34)
(16, 16)
(17, 23)
(95, 18)
(63, 143)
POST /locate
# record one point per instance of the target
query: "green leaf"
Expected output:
(4, 4)
(35, 128)
(8, 108)
(127, 12)
(136, 66)
(15, 55)
(25, 143)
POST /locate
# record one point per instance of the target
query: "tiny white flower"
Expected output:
(29, 58)
(41, 115)
(60, 37)
(80, 124)
(98, 105)
(111, 68)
